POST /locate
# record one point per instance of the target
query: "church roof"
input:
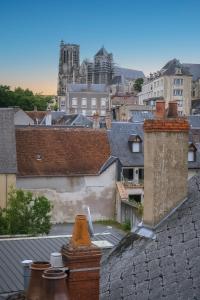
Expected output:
(102, 52)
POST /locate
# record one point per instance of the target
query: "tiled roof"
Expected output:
(171, 67)
(165, 268)
(83, 87)
(37, 116)
(194, 69)
(119, 136)
(60, 151)
(128, 73)
(7, 142)
(102, 52)
(194, 121)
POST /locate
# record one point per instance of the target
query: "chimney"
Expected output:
(48, 118)
(35, 288)
(172, 109)
(83, 260)
(160, 109)
(165, 163)
(54, 285)
(96, 120)
(108, 121)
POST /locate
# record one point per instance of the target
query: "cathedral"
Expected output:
(100, 71)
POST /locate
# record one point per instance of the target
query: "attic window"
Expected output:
(178, 71)
(38, 156)
(192, 153)
(135, 142)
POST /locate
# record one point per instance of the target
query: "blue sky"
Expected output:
(142, 35)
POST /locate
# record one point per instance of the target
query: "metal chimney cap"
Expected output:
(27, 262)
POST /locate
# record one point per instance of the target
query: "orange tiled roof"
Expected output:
(60, 151)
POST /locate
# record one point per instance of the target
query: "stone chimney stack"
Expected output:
(83, 260)
(96, 120)
(165, 163)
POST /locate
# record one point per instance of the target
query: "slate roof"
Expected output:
(83, 87)
(172, 65)
(55, 117)
(141, 116)
(194, 69)
(13, 251)
(61, 151)
(128, 73)
(120, 148)
(37, 116)
(124, 100)
(7, 142)
(102, 52)
(165, 268)
(194, 121)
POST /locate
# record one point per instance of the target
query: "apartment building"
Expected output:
(86, 99)
(172, 83)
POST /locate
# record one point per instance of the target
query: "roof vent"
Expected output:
(38, 156)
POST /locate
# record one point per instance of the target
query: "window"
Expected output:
(134, 198)
(103, 112)
(103, 102)
(178, 92)
(135, 142)
(94, 102)
(74, 102)
(128, 174)
(84, 112)
(136, 147)
(192, 152)
(62, 102)
(191, 155)
(178, 81)
(84, 102)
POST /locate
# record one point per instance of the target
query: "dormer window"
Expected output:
(135, 142)
(178, 71)
(192, 152)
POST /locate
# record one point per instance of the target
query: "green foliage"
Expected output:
(138, 84)
(126, 225)
(25, 214)
(25, 99)
(140, 209)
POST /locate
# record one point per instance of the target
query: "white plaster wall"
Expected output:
(70, 195)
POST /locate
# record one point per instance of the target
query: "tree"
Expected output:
(138, 84)
(25, 99)
(25, 214)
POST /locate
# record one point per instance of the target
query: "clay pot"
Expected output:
(55, 287)
(35, 287)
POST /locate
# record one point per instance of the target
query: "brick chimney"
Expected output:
(165, 163)
(83, 260)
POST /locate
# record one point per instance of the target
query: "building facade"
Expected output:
(172, 83)
(86, 99)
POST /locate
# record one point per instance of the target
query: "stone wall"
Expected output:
(71, 195)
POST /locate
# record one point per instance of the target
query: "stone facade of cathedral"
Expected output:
(100, 71)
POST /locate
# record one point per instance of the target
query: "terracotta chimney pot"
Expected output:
(172, 109)
(80, 236)
(35, 287)
(160, 109)
(54, 285)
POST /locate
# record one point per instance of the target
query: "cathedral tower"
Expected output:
(69, 63)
